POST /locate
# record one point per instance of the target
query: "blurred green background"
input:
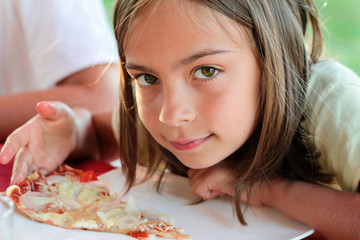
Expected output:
(341, 29)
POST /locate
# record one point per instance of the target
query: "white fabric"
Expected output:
(43, 41)
(334, 119)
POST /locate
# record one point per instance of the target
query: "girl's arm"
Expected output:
(334, 214)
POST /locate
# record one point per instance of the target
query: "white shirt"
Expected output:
(43, 41)
(334, 119)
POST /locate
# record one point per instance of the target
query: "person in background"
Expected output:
(229, 93)
(55, 50)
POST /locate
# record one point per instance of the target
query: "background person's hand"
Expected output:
(44, 142)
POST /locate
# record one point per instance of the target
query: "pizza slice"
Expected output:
(76, 199)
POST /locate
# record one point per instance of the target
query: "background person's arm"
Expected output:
(55, 134)
(94, 88)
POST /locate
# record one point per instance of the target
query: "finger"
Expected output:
(23, 165)
(191, 172)
(43, 171)
(214, 194)
(12, 145)
(195, 175)
(205, 192)
(243, 196)
(46, 109)
(53, 110)
(7, 154)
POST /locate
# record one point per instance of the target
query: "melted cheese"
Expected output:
(87, 195)
(66, 202)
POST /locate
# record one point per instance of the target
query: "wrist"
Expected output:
(85, 137)
(274, 191)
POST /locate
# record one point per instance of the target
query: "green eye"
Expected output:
(205, 72)
(146, 79)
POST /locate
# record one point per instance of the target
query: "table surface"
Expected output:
(99, 168)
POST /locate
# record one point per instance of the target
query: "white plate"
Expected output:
(209, 220)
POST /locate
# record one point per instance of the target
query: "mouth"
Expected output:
(185, 145)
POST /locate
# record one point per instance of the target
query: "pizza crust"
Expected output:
(71, 198)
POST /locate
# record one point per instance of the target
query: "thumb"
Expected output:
(46, 109)
(53, 111)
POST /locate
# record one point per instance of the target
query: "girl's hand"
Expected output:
(211, 182)
(217, 180)
(43, 142)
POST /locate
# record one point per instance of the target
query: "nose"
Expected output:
(177, 106)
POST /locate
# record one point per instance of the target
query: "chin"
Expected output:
(197, 164)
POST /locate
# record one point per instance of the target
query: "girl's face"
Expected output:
(197, 85)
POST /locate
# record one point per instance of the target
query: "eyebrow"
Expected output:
(201, 54)
(182, 62)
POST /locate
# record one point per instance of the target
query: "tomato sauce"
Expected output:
(139, 235)
(88, 176)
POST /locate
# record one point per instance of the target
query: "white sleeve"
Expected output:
(334, 119)
(65, 36)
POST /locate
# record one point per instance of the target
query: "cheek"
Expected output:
(237, 109)
(144, 115)
(147, 113)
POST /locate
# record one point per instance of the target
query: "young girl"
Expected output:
(226, 92)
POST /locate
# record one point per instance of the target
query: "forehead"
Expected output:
(184, 21)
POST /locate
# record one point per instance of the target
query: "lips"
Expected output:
(185, 145)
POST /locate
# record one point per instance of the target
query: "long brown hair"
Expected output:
(277, 29)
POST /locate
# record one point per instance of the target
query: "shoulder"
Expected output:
(330, 67)
(329, 73)
(332, 117)
(331, 85)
